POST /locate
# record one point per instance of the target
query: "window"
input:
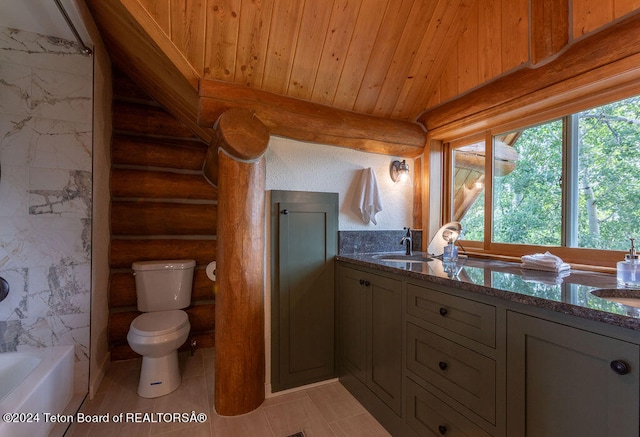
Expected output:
(607, 177)
(468, 189)
(572, 182)
(526, 193)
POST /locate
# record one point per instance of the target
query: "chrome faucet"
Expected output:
(407, 240)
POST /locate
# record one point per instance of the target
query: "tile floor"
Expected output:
(324, 410)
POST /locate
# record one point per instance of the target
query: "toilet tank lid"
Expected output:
(175, 264)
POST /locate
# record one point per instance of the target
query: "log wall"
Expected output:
(161, 208)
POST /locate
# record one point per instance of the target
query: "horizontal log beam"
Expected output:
(586, 56)
(306, 121)
(183, 154)
(162, 218)
(149, 58)
(159, 184)
(148, 120)
(125, 251)
(126, 89)
(153, 61)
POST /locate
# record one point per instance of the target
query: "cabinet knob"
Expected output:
(620, 367)
(361, 281)
(367, 283)
(442, 365)
(285, 211)
(443, 312)
(442, 429)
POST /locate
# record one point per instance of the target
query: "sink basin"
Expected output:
(628, 297)
(400, 258)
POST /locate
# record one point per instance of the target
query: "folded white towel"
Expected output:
(368, 196)
(562, 268)
(545, 262)
(543, 277)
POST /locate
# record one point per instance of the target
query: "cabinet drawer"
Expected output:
(465, 375)
(429, 416)
(474, 320)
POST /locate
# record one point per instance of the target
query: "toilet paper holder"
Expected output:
(211, 271)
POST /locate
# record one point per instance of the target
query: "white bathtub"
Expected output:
(33, 383)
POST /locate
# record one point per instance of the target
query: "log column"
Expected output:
(235, 163)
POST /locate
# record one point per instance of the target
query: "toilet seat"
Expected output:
(159, 323)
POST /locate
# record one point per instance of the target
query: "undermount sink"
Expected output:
(625, 296)
(400, 258)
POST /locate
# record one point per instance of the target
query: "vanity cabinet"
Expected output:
(451, 364)
(570, 382)
(370, 333)
(427, 359)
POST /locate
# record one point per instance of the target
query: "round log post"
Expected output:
(235, 163)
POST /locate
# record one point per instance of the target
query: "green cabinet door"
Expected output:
(370, 333)
(561, 381)
(352, 311)
(384, 340)
(305, 227)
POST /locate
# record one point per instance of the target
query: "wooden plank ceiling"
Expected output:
(366, 60)
(375, 57)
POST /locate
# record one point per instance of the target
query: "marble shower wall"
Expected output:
(45, 192)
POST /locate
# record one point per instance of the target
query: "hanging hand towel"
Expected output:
(368, 196)
(545, 262)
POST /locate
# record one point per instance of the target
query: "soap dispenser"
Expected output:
(628, 271)
(450, 252)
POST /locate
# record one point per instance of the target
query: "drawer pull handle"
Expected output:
(442, 429)
(442, 365)
(285, 211)
(443, 312)
(620, 367)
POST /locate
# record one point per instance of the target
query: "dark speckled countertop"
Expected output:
(570, 294)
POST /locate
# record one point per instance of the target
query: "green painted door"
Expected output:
(370, 333)
(563, 381)
(384, 335)
(306, 227)
(352, 323)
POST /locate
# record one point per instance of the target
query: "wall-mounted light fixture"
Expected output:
(399, 171)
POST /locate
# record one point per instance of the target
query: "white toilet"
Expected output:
(163, 288)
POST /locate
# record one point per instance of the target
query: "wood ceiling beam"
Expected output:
(140, 48)
(138, 45)
(307, 121)
(583, 68)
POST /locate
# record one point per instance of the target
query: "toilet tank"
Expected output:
(163, 285)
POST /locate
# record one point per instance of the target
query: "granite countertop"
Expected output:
(568, 293)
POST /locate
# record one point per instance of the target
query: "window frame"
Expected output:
(586, 82)
(591, 259)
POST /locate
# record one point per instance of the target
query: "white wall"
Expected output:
(297, 166)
